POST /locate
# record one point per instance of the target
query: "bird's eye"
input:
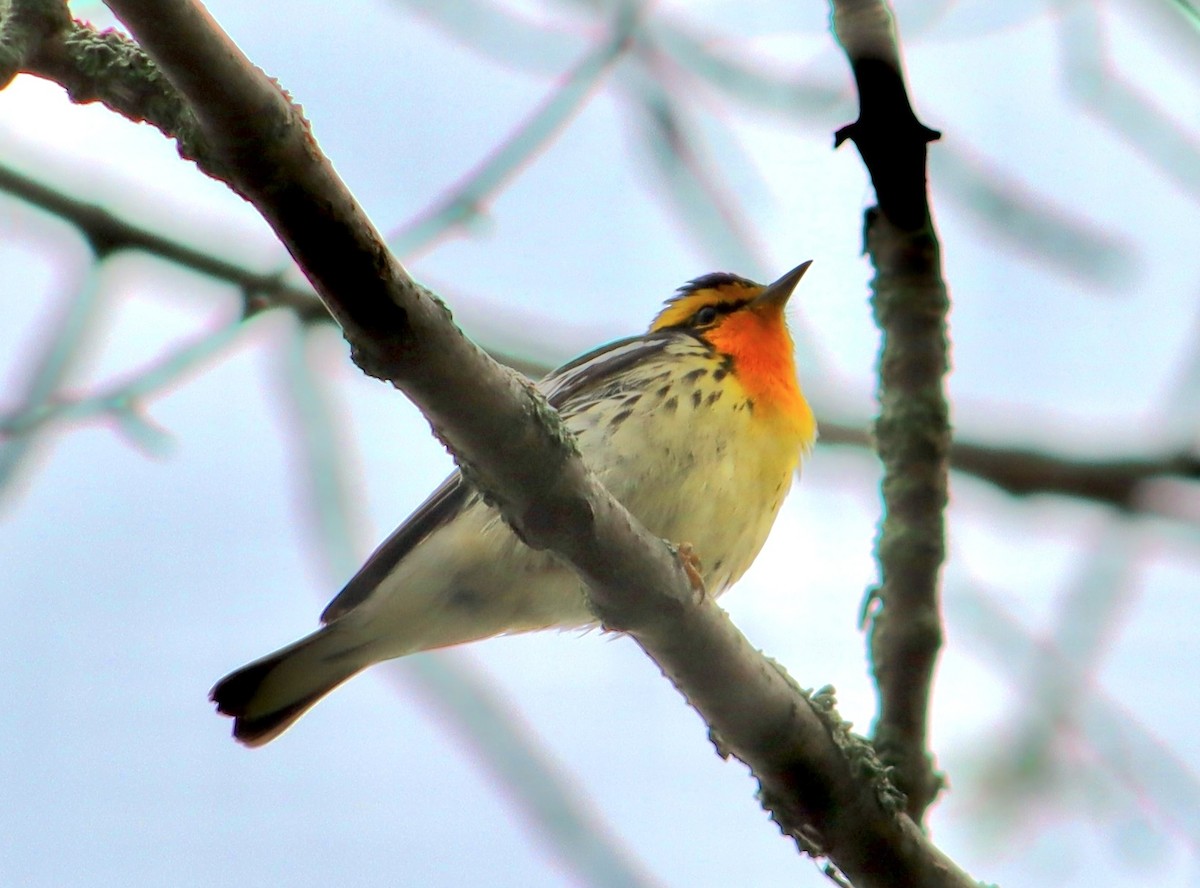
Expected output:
(706, 315)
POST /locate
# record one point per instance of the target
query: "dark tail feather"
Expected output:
(266, 697)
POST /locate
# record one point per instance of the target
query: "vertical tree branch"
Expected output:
(912, 431)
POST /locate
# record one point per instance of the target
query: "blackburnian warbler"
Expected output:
(696, 427)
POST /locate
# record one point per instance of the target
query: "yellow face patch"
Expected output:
(718, 291)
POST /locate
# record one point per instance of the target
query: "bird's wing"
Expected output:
(587, 372)
(562, 386)
(441, 506)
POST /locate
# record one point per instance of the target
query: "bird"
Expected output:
(697, 427)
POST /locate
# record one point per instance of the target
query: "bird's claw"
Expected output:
(691, 566)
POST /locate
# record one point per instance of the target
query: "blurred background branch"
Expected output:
(1021, 471)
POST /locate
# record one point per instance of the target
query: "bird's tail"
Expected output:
(266, 697)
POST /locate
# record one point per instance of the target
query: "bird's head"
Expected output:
(708, 303)
(744, 322)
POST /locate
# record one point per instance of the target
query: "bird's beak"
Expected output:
(777, 294)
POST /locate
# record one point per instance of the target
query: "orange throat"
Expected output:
(761, 349)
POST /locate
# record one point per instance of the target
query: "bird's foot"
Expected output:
(691, 566)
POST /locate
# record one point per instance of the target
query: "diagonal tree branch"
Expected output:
(107, 67)
(26, 30)
(815, 775)
(912, 432)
